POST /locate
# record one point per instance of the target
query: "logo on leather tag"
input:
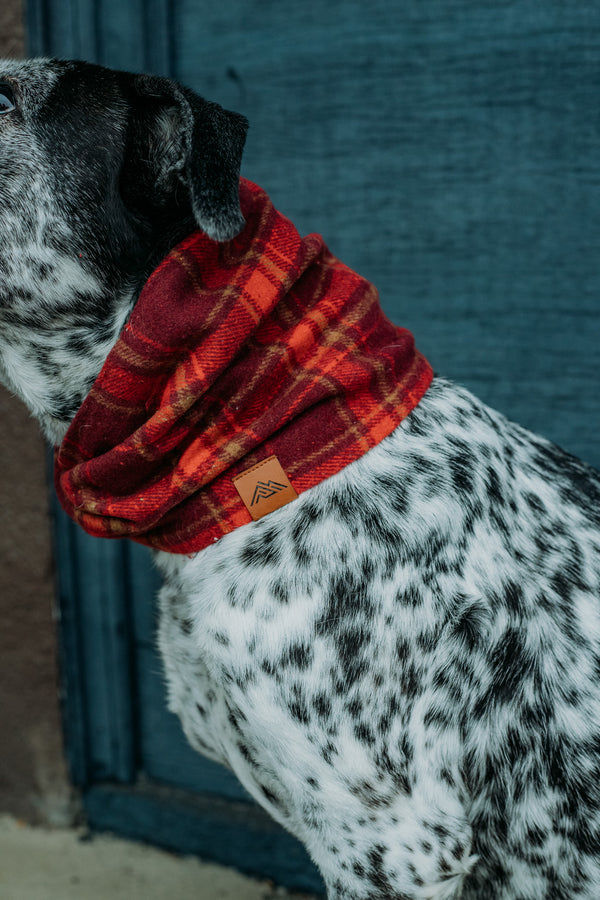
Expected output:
(264, 487)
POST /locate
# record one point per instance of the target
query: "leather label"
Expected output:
(264, 487)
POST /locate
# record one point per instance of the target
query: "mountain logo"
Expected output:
(266, 489)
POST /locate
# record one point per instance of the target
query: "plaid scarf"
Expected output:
(248, 372)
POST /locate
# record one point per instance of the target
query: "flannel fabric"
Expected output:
(263, 345)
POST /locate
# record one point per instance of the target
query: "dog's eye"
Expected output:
(7, 99)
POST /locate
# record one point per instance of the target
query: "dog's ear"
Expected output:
(198, 143)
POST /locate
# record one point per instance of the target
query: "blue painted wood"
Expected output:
(98, 659)
(36, 16)
(73, 700)
(137, 35)
(158, 30)
(233, 834)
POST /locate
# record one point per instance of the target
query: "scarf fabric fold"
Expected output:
(263, 346)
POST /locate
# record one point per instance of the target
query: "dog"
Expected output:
(402, 665)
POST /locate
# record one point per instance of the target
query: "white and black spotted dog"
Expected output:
(411, 687)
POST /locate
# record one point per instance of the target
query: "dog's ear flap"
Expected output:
(201, 144)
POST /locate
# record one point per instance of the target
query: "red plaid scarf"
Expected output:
(265, 345)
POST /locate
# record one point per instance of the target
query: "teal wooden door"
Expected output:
(447, 151)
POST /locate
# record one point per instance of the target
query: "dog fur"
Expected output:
(403, 665)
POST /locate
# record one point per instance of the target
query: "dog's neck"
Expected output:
(61, 319)
(51, 356)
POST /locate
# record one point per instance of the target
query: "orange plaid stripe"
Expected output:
(233, 353)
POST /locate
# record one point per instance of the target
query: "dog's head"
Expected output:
(101, 173)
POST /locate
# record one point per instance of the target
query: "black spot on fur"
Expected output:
(262, 550)
(299, 655)
(322, 705)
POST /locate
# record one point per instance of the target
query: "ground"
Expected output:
(68, 864)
